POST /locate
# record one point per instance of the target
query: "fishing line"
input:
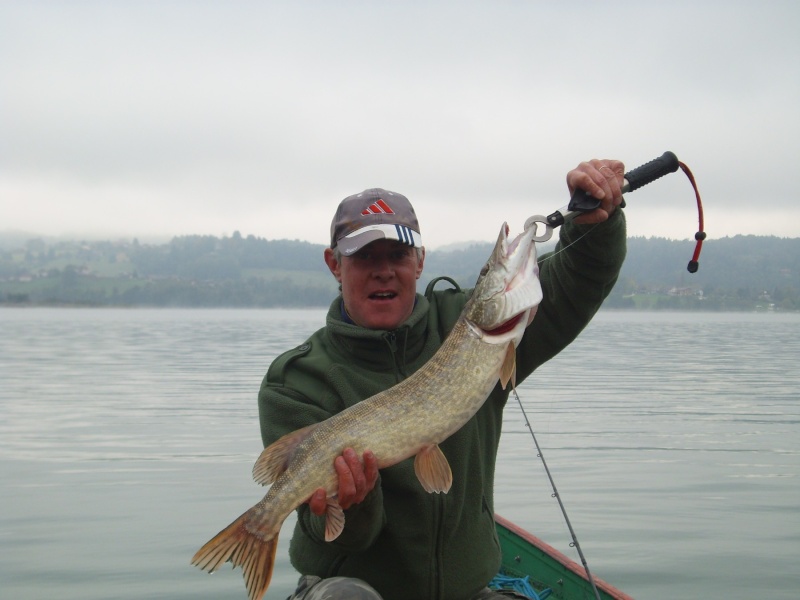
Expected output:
(557, 496)
(581, 202)
(555, 253)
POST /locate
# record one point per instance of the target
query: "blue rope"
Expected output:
(521, 585)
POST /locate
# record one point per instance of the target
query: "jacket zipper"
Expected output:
(391, 341)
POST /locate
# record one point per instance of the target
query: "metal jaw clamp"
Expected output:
(535, 221)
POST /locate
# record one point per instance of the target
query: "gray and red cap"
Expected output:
(374, 214)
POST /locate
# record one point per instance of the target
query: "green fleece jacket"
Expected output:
(406, 543)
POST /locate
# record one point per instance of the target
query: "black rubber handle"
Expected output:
(647, 173)
(655, 169)
(581, 202)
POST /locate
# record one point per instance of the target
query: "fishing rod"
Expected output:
(581, 202)
(575, 544)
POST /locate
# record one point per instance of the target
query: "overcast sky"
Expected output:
(137, 118)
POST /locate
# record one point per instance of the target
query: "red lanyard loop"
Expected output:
(701, 234)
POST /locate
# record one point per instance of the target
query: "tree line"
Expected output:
(737, 273)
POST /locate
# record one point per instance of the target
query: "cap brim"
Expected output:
(366, 235)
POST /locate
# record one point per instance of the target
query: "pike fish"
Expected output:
(409, 419)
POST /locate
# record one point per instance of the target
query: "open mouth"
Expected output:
(505, 327)
(383, 295)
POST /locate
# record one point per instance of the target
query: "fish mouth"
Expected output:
(504, 327)
(507, 292)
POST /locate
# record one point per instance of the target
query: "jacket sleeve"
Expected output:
(576, 277)
(283, 410)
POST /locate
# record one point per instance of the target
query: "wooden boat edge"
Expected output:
(569, 565)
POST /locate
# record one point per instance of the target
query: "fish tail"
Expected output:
(243, 549)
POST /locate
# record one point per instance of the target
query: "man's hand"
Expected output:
(356, 480)
(601, 179)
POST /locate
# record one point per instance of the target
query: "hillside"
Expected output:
(739, 273)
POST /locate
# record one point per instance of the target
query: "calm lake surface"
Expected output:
(127, 438)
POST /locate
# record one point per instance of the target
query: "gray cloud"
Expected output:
(185, 117)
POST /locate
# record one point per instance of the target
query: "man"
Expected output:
(400, 542)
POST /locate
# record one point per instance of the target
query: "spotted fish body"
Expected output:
(409, 419)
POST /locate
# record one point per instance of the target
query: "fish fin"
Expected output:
(508, 370)
(243, 549)
(433, 470)
(334, 519)
(276, 457)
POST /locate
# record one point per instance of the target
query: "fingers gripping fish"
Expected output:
(409, 419)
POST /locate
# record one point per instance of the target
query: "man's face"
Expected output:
(379, 282)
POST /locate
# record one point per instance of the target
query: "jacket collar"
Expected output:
(379, 348)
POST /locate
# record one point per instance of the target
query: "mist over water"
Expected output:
(127, 439)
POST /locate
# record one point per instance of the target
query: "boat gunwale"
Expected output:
(560, 558)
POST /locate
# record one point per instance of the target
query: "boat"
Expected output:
(535, 568)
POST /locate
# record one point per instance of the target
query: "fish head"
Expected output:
(508, 291)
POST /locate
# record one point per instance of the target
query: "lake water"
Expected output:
(127, 438)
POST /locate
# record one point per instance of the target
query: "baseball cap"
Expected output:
(374, 214)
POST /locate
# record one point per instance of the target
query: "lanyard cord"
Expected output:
(701, 234)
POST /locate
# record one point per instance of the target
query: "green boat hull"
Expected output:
(526, 555)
